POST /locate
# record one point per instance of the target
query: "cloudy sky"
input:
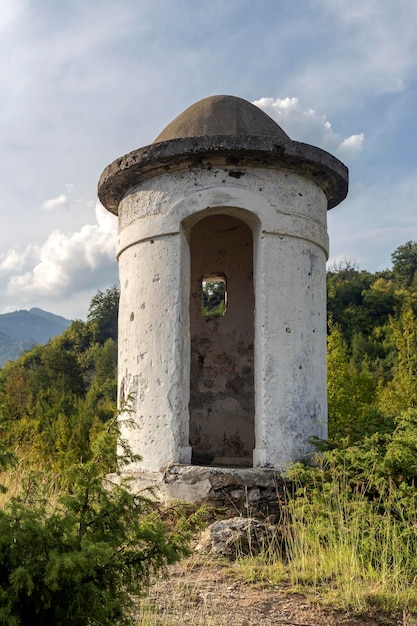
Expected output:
(83, 82)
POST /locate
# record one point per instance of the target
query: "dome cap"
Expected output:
(222, 115)
(228, 132)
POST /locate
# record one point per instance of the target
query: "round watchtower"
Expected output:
(223, 207)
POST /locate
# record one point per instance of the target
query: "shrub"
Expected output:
(81, 559)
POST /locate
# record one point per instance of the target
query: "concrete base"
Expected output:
(244, 491)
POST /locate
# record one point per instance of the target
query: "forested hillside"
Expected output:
(76, 548)
(372, 346)
(55, 398)
(348, 523)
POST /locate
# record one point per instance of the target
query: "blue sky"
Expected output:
(83, 82)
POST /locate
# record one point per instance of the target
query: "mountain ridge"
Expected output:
(22, 329)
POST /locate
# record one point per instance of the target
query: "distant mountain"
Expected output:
(21, 330)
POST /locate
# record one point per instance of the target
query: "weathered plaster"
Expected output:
(250, 388)
(287, 217)
(152, 351)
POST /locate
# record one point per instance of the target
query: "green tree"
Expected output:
(346, 287)
(401, 458)
(103, 314)
(82, 560)
(213, 298)
(381, 300)
(404, 263)
(55, 398)
(400, 393)
(351, 394)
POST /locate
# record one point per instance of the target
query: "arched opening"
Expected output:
(222, 342)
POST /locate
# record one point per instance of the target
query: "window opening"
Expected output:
(213, 295)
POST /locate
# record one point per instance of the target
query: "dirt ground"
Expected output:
(210, 595)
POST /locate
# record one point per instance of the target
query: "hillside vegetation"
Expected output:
(348, 527)
(75, 548)
(54, 399)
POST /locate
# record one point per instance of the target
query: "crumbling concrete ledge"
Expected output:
(245, 491)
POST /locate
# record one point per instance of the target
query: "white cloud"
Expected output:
(62, 266)
(63, 200)
(14, 260)
(351, 146)
(307, 126)
(54, 203)
(11, 11)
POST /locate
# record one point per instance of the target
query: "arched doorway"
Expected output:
(222, 342)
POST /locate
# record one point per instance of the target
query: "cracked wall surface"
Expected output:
(264, 377)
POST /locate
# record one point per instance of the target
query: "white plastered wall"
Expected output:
(287, 215)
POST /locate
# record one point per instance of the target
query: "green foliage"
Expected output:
(347, 535)
(372, 347)
(81, 556)
(400, 461)
(213, 298)
(103, 314)
(56, 398)
(355, 511)
(400, 393)
(345, 299)
(351, 395)
(82, 559)
(352, 534)
(404, 263)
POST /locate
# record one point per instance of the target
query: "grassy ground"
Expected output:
(213, 592)
(339, 557)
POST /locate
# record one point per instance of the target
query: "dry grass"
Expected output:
(19, 481)
(347, 554)
(351, 553)
(214, 593)
(187, 598)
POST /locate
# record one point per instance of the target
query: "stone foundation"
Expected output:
(235, 491)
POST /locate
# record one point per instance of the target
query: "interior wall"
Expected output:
(222, 347)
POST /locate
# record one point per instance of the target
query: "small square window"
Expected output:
(213, 295)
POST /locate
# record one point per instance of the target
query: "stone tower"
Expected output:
(223, 197)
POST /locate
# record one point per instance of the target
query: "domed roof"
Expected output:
(222, 131)
(221, 115)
